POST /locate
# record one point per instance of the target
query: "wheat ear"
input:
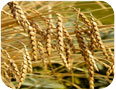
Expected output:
(29, 61)
(46, 35)
(68, 56)
(48, 39)
(19, 15)
(5, 66)
(27, 56)
(39, 30)
(49, 31)
(42, 54)
(9, 84)
(85, 54)
(91, 76)
(4, 71)
(23, 70)
(87, 58)
(91, 67)
(93, 42)
(60, 39)
(97, 36)
(69, 39)
(92, 60)
(87, 22)
(111, 68)
(82, 17)
(13, 66)
(7, 76)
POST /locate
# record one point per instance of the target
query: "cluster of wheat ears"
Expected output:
(55, 38)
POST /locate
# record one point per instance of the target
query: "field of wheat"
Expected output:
(57, 44)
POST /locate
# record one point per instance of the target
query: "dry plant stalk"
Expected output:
(100, 4)
(19, 15)
(97, 36)
(6, 13)
(61, 40)
(46, 20)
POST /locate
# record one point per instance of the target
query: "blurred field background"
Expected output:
(11, 33)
